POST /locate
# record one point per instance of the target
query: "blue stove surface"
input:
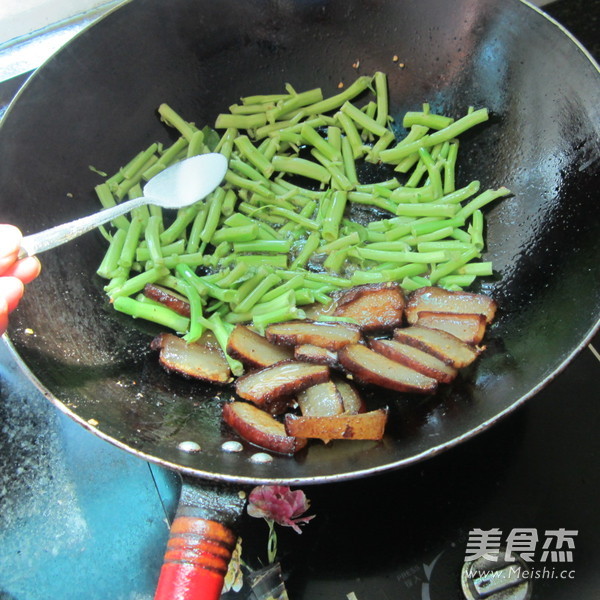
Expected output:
(79, 518)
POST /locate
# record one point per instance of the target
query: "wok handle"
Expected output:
(196, 560)
(201, 541)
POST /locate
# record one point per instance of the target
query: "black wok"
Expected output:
(95, 103)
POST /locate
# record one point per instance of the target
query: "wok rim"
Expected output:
(309, 480)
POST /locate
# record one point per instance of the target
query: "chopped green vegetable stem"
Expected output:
(310, 246)
(110, 262)
(333, 218)
(333, 102)
(196, 327)
(262, 238)
(363, 120)
(169, 116)
(311, 137)
(152, 237)
(426, 119)
(137, 283)
(301, 166)
(150, 312)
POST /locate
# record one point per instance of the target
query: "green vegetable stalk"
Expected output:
(285, 229)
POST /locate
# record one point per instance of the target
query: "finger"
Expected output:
(26, 269)
(10, 242)
(11, 291)
(3, 316)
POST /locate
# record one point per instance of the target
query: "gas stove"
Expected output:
(80, 518)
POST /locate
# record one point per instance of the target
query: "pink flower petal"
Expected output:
(280, 504)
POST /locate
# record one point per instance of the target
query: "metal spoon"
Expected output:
(177, 186)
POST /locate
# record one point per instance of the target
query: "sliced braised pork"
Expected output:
(321, 400)
(315, 354)
(363, 426)
(375, 307)
(279, 380)
(254, 350)
(351, 399)
(469, 328)
(198, 360)
(416, 359)
(259, 428)
(332, 336)
(441, 344)
(370, 367)
(437, 299)
(168, 298)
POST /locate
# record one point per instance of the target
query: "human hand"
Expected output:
(14, 273)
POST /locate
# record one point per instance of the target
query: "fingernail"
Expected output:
(38, 265)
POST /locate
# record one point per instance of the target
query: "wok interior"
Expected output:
(95, 104)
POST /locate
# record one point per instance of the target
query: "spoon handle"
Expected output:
(55, 236)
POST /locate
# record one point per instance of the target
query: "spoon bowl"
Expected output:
(179, 185)
(186, 182)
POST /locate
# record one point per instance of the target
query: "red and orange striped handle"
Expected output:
(201, 541)
(196, 560)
